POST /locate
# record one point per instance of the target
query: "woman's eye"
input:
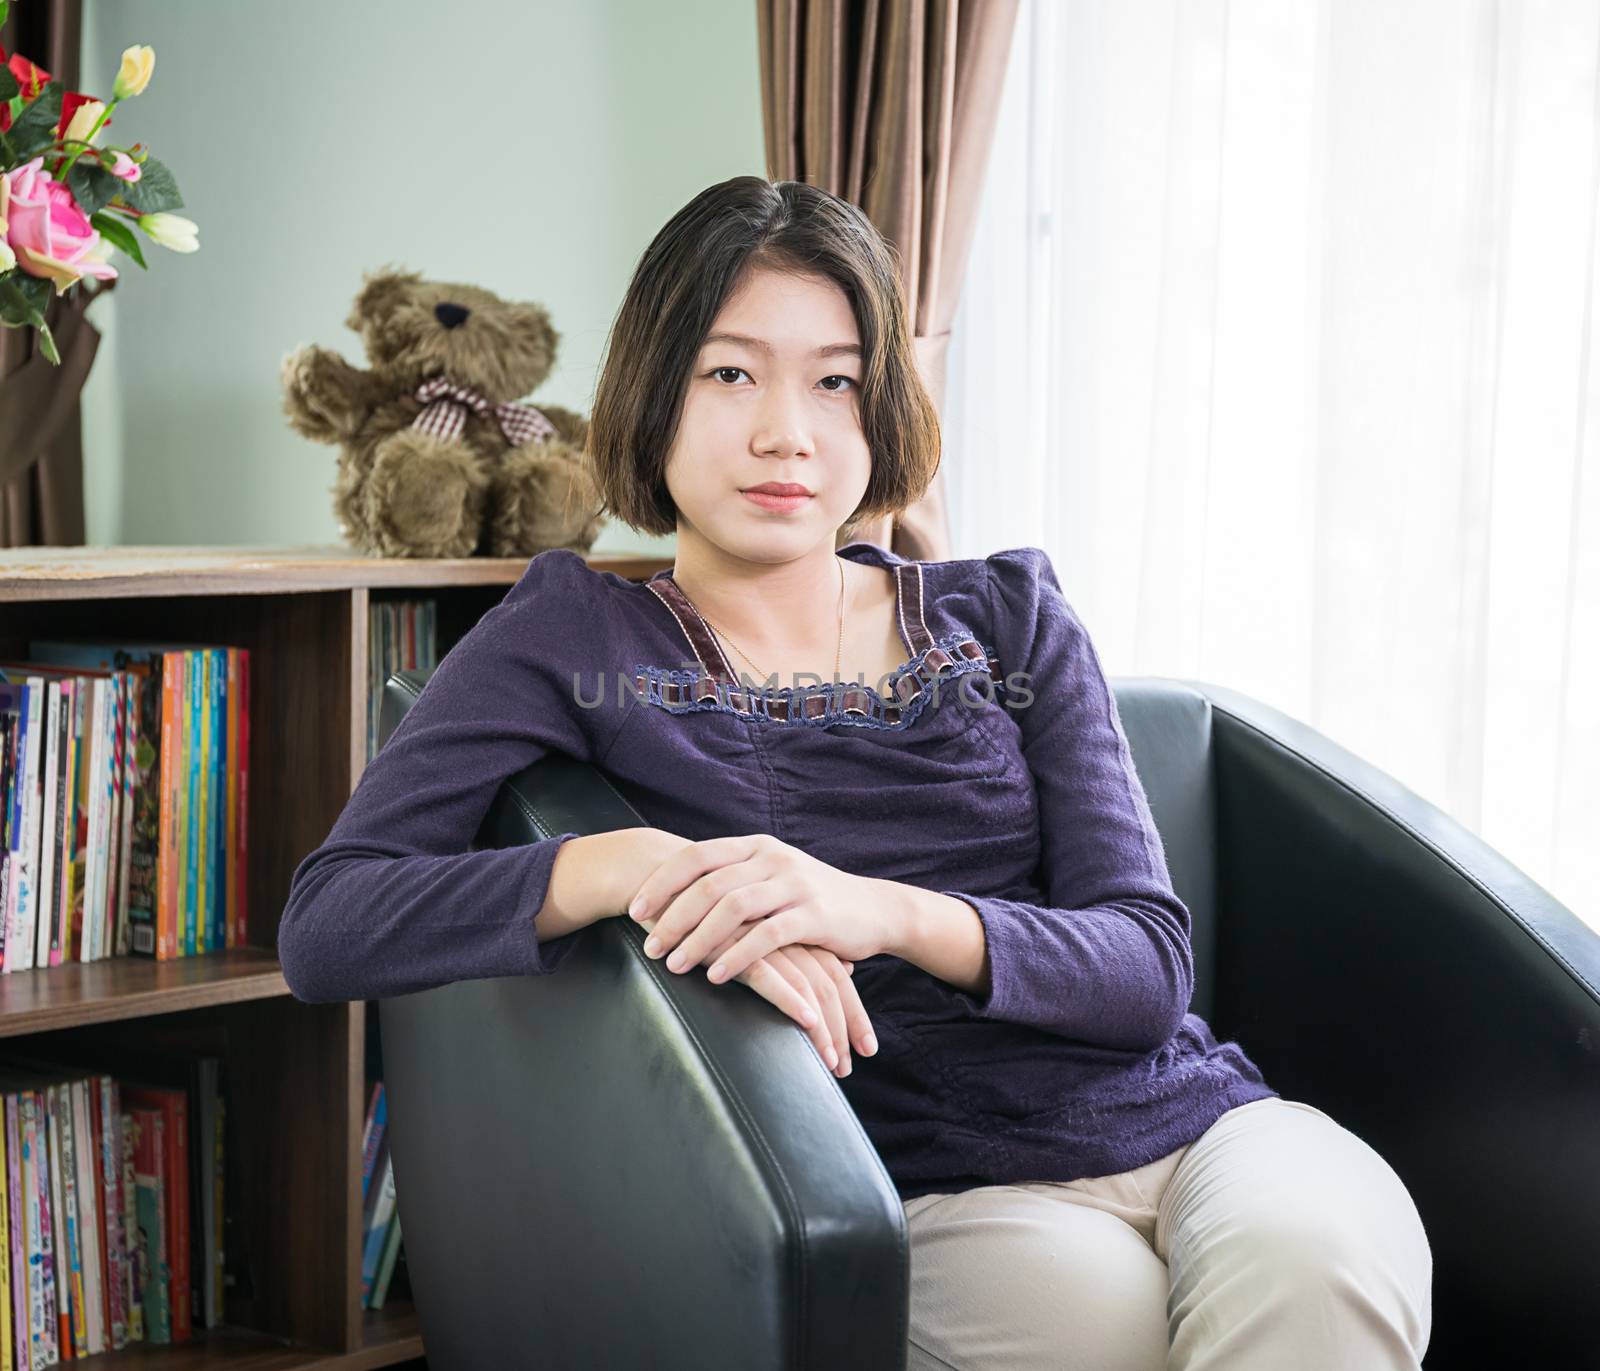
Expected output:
(729, 375)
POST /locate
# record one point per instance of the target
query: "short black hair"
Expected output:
(697, 260)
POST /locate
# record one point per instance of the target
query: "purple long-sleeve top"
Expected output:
(1012, 789)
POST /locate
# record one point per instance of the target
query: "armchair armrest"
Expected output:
(610, 1165)
(1380, 961)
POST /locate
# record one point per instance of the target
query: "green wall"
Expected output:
(533, 148)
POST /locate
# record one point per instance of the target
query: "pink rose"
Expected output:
(51, 236)
(125, 167)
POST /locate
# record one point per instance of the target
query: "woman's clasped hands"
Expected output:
(789, 926)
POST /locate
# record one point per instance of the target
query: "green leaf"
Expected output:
(8, 82)
(4, 7)
(154, 191)
(47, 343)
(16, 309)
(35, 128)
(37, 289)
(119, 235)
(92, 186)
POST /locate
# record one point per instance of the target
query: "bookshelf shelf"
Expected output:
(72, 995)
(299, 1070)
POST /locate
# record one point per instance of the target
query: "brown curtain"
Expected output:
(41, 448)
(891, 104)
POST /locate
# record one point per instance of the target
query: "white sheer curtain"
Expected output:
(1279, 337)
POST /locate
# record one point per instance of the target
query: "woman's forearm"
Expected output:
(596, 874)
(939, 933)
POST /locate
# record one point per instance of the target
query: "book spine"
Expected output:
(19, 931)
(19, 1230)
(41, 1282)
(126, 775)
(144, 860)
(378, 1229)
(166, 908)
(49, 824)
(202, 928)
(192, 829)
(241, 933)
(184, 810)
(230, 837)
(150, 1163)
(175, 1124)
(56, 1204)
(49, 1247)
(138, 1256)
(83, 919)
(64, 1167)
(114, 1207)
(377, 1117)
(32, 821)
(391, 1252)
(90, 1239)
(72, 728)
(105, 930)
(216, 859)
(7, 1359)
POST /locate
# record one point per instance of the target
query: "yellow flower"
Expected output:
(8, 259)
(84, 119)
(134, 73)
(172, 231)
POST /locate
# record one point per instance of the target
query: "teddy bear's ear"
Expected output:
(381, 291)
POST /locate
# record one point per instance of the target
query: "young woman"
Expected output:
(896, 799)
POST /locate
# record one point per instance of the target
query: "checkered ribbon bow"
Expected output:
(445, 407)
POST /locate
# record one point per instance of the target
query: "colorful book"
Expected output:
(17, 1225)
(149, 1177)
(173, 1105)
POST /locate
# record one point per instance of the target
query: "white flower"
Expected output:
(134, 73)
(172, 231)
(84, 118)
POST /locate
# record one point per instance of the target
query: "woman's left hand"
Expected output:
(705, 892)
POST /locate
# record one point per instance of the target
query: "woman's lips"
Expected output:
(779, 504)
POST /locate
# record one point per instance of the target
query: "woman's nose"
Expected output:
(783, 430)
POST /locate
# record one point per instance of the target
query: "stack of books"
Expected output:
(111, 1210)
(124, 780)
(401, 636)
(380, 1227)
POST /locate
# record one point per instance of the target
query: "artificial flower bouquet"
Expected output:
(65, 202)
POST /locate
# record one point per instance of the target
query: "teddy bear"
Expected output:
(436, 458)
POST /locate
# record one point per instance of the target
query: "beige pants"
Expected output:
(1276, 1240)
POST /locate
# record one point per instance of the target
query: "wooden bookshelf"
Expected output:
(297, 1070)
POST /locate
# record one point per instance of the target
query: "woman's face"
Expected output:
(779, 402)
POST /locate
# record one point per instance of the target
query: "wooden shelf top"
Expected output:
(77, 993)
(390, 1336)
(87, 572)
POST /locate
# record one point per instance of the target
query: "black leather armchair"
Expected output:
(612, 1166)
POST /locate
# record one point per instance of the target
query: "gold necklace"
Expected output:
(838, 653)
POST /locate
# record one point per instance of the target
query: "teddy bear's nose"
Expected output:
(451, 316)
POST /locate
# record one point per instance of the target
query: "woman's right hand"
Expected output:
(796, 978)
(824, 984)
(799, 978)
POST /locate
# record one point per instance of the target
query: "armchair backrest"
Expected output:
(1168, 725)
(579, 1157)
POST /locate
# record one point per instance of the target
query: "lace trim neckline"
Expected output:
(716, 686)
